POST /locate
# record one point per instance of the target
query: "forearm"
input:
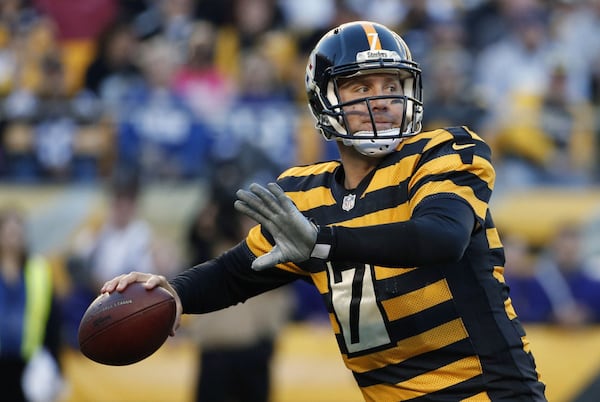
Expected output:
(225, 281)
(439, 232)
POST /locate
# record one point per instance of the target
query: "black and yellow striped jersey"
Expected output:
(414, 319)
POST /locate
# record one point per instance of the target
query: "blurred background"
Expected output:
(127, 125)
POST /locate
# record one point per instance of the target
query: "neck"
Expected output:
(356, 165)
(10, 269)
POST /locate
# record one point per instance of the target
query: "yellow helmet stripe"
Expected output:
(372, 36)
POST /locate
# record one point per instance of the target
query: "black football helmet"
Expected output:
(355, 48)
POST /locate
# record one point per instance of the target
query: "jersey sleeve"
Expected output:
(439, 232)
(454, 164)
(448, 193)
(225, 281)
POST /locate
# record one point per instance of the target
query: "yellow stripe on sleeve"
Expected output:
(498, 273)
(447, 186)
(480, 167)
(493, 238)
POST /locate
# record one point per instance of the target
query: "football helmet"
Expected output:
(352, 49)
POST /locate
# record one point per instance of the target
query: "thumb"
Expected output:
(268, 260)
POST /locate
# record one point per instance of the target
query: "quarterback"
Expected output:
(396, 235)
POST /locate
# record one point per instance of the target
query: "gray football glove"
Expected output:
(295, 236)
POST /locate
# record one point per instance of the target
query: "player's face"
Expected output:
(12, 235)
(387, 113)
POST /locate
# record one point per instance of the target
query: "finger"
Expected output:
(268, 260)
(156, 280)
(276, 190)
(254, 202)
(161, 281)
(284, 201)
(178, 313)
(130, 278)
(269, 199)
(176, 324)
(178, 308)
(110, 286)
(247, 210)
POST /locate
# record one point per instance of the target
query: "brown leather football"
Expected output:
(122, 328)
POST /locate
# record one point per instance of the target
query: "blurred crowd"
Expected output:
(134, 92)
(178, 89)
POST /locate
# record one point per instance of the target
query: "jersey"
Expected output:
(410, 332)
(413, 320)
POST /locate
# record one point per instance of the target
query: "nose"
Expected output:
(380, 104)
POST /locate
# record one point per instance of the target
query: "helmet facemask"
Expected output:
(372, 142)
(351, 50)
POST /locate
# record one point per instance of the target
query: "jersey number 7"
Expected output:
(356, 308)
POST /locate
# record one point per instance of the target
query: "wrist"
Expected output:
(324, 244)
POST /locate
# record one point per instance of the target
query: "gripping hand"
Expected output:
(295, 236)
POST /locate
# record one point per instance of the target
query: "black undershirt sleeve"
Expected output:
(438, 232)
(225, 281)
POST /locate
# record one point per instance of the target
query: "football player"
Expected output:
(397, 237)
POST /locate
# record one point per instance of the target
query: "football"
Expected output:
(122, 328)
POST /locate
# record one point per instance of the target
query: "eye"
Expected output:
(393, 88)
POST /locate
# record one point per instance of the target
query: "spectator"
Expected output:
(448, 66)
(79, 20)
(30, 39)
(590, 243)
(204, 88)
(260, 138)
(52, 121)
(489, 21)
(388, 12)
(30, 330)
(124, 240)
(548, 141)
(77, 27)
(558, 286)
(16, 18)
(515, 96)
(234, 365)
(248, 21)
(573, 291)
(172, 20)
(576, 27)
(309, 15)
(114, 70)
(159, 135)
(527, 45)
(527, 294)
(117, 240)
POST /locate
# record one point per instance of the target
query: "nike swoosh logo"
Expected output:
(457, 147)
